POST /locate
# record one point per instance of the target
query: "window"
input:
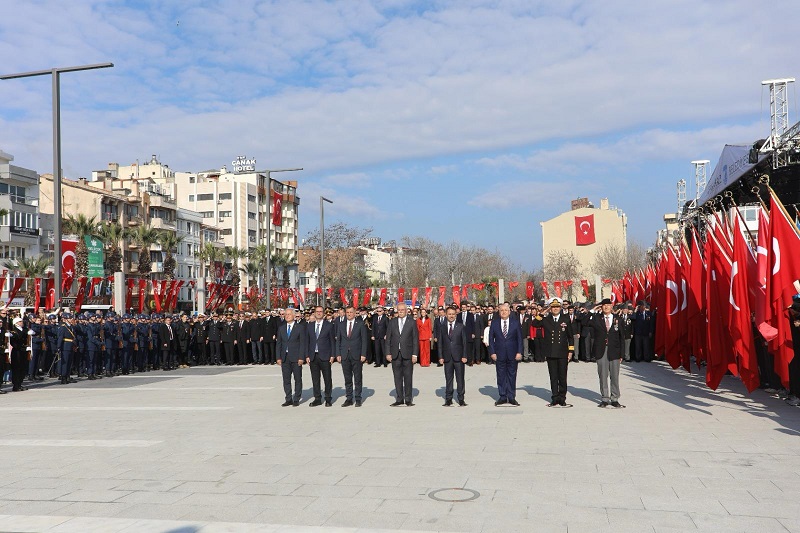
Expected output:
(4, 220)
(12, 252)
(225, 196)
(251, 216)
(207, 214)
(227, 232)
(191, 179)
(251, 234)
(224, 214)
(251, 197)
(191, 197)
(204, 197)
(16, 192)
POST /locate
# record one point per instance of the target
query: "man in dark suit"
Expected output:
(379, 322)
(609, 342)
(321, 344)
(291, 347)
(451, 346)
(228, 337)
(242, 329)
(505, 349)
(480, 324)
(351, 352)
(167, 340)
(270, 332)
(468, 320)
(557, 348)
(402, 349)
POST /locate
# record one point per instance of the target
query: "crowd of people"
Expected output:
(95, 345)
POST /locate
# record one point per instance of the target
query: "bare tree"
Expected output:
(562, 265)
(610, 261)
(345, 262)
(636, 256)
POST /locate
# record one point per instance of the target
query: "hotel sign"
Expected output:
(243, 164)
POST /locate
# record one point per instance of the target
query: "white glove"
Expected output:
(8, 333)
(8, 350)
(31, 332)
(28, 349)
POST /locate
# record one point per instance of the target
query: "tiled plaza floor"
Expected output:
(211, 449)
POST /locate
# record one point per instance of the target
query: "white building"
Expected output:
(19, 198)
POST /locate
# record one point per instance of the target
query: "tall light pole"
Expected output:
(269, 225)
(56, 75)
(322, 201)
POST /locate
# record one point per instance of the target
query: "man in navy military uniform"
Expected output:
(65, 345)
(557, 346)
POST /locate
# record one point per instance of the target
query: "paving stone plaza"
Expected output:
(211, 449)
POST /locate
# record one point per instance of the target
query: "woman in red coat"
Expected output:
(425, 333)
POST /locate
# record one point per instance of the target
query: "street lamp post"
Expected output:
(322, 201)
(56, 75)
(269, 226)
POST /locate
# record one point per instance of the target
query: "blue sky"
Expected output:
(468, 120)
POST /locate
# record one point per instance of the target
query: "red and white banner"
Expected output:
(544, 289)
(585, 286)
(414, 295)
(442, 290)
(401, 294)
(584, 230)
(50, 300)
(456, 295)
(142, 294)
(37, 293)
(81, 293)
(382, 299)
(428, 291)
(277, 206)
(14, 290)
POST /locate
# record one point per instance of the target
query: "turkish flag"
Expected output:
(401, 294)
(585, 285)
(67, 265)
(367, 296)
(529, 290)
(464, 291)
(761, 302)
(382, 299)
(142, 294)
(442, 290)
(512, 285)
(129, 293)
(37, 293)
(50, 300)
(343, 296)
(479, 286)
(719, 348)
(176, 294)
(584, 230)
(557, 288)
(414, 296)
(544, 288)
(277, 206)
(428, 291)
(785, 262)
(672, 335)
(695, 316)
(81, 294)
(456, 295)
(356, 292)
(740, 301)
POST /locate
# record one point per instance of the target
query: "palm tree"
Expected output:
(233, 254)
(31, 267)
(251, 269)
(111, 233)
(209, 255)
(145, 237)
(283, 260)
(259, 256)
(81, 226)
(169, 241)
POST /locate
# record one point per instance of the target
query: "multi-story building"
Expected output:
(19, 200)
(241, 205)
(584, 231)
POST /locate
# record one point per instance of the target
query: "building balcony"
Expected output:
(157, 200)
(160, 223)
(133, 266)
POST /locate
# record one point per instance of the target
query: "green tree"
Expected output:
(145, 236)
(81, 226)
(112, 233)
(169, 241)
(30, 267)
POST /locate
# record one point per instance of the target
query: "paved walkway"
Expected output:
(210, 449)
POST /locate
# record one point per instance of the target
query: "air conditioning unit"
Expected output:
(219, 202)
(222, 219)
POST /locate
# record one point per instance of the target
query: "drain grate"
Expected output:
(454, 495)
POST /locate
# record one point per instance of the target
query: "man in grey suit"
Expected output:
(351, 352)
(291, 351)
(452, 346)
(402, 348)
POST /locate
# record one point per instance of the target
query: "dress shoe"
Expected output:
(409, 404)
(462, 403)
(615, 404)
(287, 403)
(447, 403)
(315, 403)
(295, 404)
(575, 360)
(377, 366)
(565, 404)
(3, 391)
(347, 403)
(602, 405)
(501, 401)
(553, 404)
(513, 402)
(396, 404)
(358, 403)
(328, 403)
(91, 377)
(72, 380)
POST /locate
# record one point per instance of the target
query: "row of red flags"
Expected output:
(709, 295)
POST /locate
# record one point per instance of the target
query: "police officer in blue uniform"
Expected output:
(94, 345)
(643, 326)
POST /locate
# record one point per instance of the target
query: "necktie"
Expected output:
(170, 332)
(349, 329)
(288, 330)
(450, 330)
(608, 322)
(402, 321)
(505, 328)
(318, 326)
